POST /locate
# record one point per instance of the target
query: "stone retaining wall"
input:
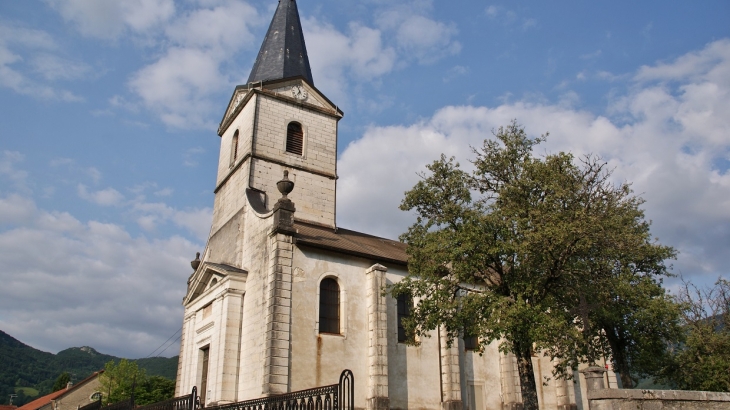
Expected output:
(600, 398)
(625, 399)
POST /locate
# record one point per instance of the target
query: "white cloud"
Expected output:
(179, 84)
(428, 40)
(509, 17)
(104, 197)
(178, 87)
(18, 44)
(190, 156)
(70, 283)
(149, 215)
(591, 56)
(455, 72)
(225, 27)
(110, 19)
(15, 209)
(666, 141)
(337, 57)
(9, 170)
(164, 192)
(703, 63)
(52, 67)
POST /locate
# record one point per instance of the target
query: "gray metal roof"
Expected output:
(283, 53)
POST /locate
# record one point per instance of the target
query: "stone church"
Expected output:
(282, 299)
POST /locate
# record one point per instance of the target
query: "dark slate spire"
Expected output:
(283, 53)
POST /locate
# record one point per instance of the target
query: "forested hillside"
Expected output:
(29, 372)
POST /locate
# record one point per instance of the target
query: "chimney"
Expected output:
(68, 385)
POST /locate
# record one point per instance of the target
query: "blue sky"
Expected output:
(108, 147)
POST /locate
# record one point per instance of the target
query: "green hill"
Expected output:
(30, 369)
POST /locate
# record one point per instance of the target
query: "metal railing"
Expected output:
(189, 402)
(340, 396)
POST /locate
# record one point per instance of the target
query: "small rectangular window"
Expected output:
(405, 304)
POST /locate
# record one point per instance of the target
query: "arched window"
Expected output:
(234, 149)
(329, 306)
(294, 138)
(405, 304)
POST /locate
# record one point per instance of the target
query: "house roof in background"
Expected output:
(42, 401)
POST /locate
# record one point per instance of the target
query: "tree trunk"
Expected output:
(528, 388)
(619, 358)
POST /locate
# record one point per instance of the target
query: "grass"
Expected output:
(28, 391)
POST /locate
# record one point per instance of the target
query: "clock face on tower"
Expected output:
(299, 92)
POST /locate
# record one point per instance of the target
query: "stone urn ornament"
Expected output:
(285, 185)
(196, 262)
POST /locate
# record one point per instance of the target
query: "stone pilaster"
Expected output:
(183, 345)
(377, 393)
(594, 378)
(278, 315)
(450, 375)
(511, 394)
(231, 304)
(563, 397)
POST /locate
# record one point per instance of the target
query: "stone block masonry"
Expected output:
(377, 395)
(625, 399)
(600, 398)
(278, 315)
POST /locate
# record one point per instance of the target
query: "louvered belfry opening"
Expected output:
(329, 306)
(294, 138)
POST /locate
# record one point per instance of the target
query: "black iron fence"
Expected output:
(189, 402)
(340, 396)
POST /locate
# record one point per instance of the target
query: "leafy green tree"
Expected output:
(119, 380)
(702, 362)
(62, 381)
(638, 322)
(517, 250)
(155, 389)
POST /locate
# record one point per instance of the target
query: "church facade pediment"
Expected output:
(207, 276)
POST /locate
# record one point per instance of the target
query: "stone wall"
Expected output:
(625, 399)
(600, 398)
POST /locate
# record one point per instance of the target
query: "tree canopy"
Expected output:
(702, 360)
(61, 381)
(542, 254)
(121, 379)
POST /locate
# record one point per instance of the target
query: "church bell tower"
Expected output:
(279, 121)
(277, 128)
